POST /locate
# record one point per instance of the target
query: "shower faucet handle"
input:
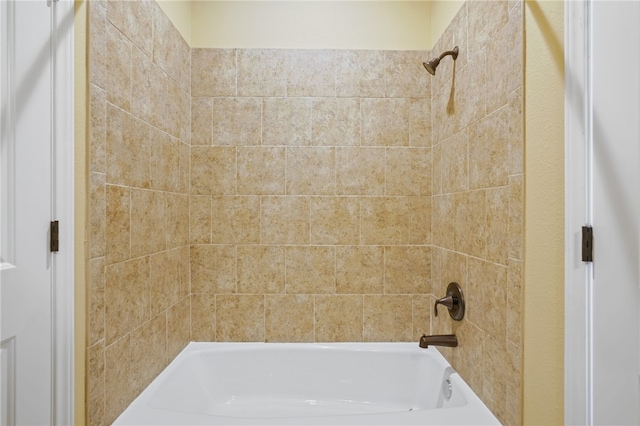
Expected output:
(454, 302)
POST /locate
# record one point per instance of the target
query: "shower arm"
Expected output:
(453, 53)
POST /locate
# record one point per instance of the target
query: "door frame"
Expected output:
(578, 381)
(63, 210)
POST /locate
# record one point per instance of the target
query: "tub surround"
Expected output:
(301, 196)
(139, 136)
(477, 201)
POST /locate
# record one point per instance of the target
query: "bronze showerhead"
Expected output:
(433, 63)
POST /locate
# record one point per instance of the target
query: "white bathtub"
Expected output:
(307, 384)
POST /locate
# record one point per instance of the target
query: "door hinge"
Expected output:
(587, 244)
(54, 238)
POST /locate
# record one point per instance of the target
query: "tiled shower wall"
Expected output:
(478, 197)
(287, 195)
(139, 305)
(310, 195)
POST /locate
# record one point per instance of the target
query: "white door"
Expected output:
(616, 211)
(602, 300)
(27, 272)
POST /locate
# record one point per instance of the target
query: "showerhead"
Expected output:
(433, 63)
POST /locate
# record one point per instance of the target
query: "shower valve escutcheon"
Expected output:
(454, 302)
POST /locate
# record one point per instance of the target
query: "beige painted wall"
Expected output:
(80, 207)
(179, 12)
(442, 12)
(396, 24)
(393, 25)
(544, 214)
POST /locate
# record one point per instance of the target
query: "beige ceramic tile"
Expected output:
(261, 72)
(485, 20)
(408, 171)
(453, 268)
(240, 318)
(488, 151)
(360, 171)
(165, 162)
(148, 352)
(311, 171)
(213, 269)
(361, 73)
(420, 220)
(338, 318)
(117, 373)
(237, 121)
(148, 219)
(469, 357)
(494, 389)
(134, 18)
(261, 269)
(286, 121)
(127, 300)
(164, 279)
(213, 72)
(128, 149)
(177, 107)
(514, 302)
(184, 154)
(360, 269)
(387, 318)
(203, 317)
(143, 73)
(95, 384)
(98, 130)
(454, 163)
(97, 44)
(310, 269)
(497, 217)
(199, 219)
(289, 318)
(516, 133)
(178, 327)
(420, 122)
(177, 227)
(404, 77)
(335, 220)
(285, 220)
(310, 72)
(97, 214)
(213, 170)
(513, 409)
(336, 122)
(201, 121)
(470, 222)
(436, 169)
(385, 220)
(118, 68)
(471, 90)
(261, 170)
(385, 122)
(443, 221)
(96, 301)
(235, 220)
(407, 270)
(487, 297)
(170, 51)
(421, 308)
(516, 229)
(118, 226)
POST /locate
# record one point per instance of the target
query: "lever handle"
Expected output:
(454, 301)
(449, 301)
